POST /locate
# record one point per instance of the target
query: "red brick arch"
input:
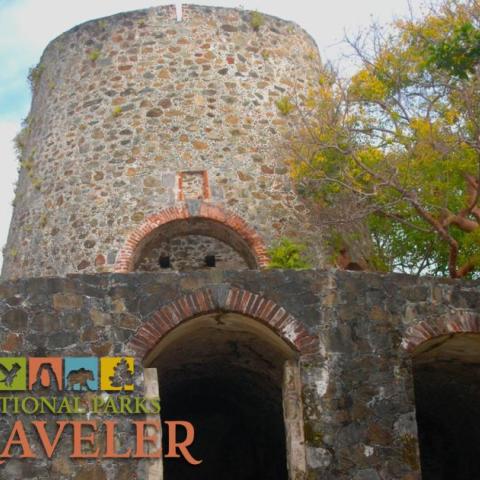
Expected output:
(459, 322)
(126, 257)
(214, 299)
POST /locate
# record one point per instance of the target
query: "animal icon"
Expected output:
(78, 379)
(9, 375)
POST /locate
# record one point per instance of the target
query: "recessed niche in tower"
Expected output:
(210, 261)
(164, 261)
(187, 245)
(193, 185)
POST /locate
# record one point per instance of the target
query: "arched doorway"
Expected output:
(223, 372)
(227, 360)
(446, 371)
(192, 237)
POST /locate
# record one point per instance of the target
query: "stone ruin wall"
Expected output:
(356, 378)
(138, 112)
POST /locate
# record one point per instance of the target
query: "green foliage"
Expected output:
(94, 55)
(256, 20)
(399, 141)
(43, 220)
(117, 111)
(27, 164)
(459, 53)
(285, 106)
(287, 254)
(37, 183)
(334, 241)
(35, 74)
(20, 141)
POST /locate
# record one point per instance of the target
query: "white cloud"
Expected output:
(29, 25)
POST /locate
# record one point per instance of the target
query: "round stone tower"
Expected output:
(152, 143)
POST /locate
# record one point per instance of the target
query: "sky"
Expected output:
(26, 27)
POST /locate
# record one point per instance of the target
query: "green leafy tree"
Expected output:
(399, 142)
(459, 53)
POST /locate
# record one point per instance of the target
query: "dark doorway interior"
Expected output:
(447, 394)
(226, 381)
(239, 435)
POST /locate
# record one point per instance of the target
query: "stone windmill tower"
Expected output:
(152, 144)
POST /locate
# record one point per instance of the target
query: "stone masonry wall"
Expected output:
(138, 112)
(359, 416)
(187, 253)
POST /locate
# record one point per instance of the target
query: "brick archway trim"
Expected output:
(460, 322)
(222, 298)
(126, 257)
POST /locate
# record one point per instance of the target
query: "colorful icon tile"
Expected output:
(81, 374)
(117, 373)
(45, 373)
(13, 373)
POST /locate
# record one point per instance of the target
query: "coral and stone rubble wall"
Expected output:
(350, 329)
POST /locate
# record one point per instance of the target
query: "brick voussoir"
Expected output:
(244, 300)
(185, 307)
(237, 300)
(269, 311)
(464, 322)
(161, 323)
(232, 299)
(257, 299)
(278, 319)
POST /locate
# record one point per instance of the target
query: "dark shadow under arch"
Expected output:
(446, 372)
(223, 372)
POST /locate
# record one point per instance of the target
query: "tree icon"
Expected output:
(122, 375)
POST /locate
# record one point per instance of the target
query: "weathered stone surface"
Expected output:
(359, 414)
(91, 473)
(155, 112)
(67, 301)
(15, 319)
